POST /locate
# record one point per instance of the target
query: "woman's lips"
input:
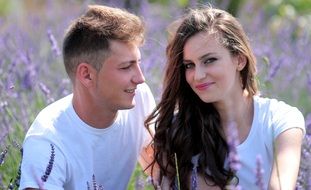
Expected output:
(203, 86)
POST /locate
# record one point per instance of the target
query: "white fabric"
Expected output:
(271, 117)
(82, 151)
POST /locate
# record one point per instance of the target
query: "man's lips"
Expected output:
(130, 90)
(203, 86)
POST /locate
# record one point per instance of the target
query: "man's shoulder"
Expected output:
(143, 88)
(52, 113)
(57, 106)
(144, 94)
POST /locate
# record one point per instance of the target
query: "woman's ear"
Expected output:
(241, 62)
(85, 73)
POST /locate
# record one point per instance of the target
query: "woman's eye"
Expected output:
(209, 60)
(188, 65)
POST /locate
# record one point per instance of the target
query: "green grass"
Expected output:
(138, 173)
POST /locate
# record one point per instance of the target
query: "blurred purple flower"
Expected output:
(46, 92)
(309, 81)
(44, 89)
(259, 173)
(1, 66)
(29, 76)
(233, 142)
(233, 157)
(64, 87)
(139, 183)
(53, 43)
(29, 79)
(10, 75)
(304, 176)
(274, 68)
(194, 172)
(308, 124)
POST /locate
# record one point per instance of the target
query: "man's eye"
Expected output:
(125, 68)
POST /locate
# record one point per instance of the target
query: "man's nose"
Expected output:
(139, 76)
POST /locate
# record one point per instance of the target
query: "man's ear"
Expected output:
(85, 73)
(241, 62)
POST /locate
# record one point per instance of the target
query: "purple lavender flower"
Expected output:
(139, 183)
(10, 75)
(95, 185)
(29, 76)
(309, 81)
(44, 89)
(53, 42)
(49, 167)
(11, 185)
(155, 183)
(94, 182)
(46, 92)
(308, 122)
(233, 157)
(259, 173)
(3, 154)
(194, 172)
(304, 176)
(194, 178)
(18, 176)
(88, 187)
(233, 142)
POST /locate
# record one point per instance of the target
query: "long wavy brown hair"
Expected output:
(184, 124)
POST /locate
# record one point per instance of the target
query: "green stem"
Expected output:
(177, 173)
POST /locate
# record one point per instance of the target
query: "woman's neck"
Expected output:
(239, 111)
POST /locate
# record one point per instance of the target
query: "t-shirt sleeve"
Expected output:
(43, 165)
(147, 98)
(148, 103)
(286, 117)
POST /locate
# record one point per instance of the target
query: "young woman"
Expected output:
(210, 85)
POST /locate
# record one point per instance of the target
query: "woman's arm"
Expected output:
(287, 150)
(146, 158)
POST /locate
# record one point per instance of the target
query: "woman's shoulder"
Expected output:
(277, 113)
(273, 105)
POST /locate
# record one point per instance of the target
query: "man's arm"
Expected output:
(43, 165)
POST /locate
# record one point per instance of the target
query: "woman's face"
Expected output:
(211, 71)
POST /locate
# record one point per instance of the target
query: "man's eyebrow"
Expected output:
(130, 62)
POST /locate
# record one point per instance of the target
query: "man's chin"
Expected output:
(128, 106)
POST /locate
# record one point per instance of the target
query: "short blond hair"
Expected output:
(87, 38)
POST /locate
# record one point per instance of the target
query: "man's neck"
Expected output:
(92, 114)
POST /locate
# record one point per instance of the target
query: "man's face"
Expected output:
(119, 76)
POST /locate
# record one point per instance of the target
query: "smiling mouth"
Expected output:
(130, 90)
(203, 86)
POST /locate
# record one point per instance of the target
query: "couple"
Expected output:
(97, 133)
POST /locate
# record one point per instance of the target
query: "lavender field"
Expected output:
(32, 74)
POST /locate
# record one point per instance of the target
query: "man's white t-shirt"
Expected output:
(82, 152)
(271, 118)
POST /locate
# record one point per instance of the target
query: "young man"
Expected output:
(97, 132)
